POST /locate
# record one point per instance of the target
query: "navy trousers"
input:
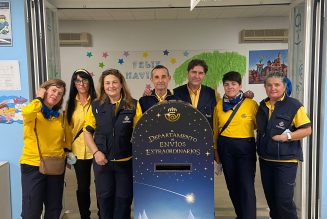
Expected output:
(114, 189)
(83, 176)
(278, 181)
(39, 190)
(238, 158)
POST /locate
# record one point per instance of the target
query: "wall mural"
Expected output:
(136, 66)
(11, 109)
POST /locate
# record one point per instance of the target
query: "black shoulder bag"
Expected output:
(231, 116)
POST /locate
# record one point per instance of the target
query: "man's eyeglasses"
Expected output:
(83, 81)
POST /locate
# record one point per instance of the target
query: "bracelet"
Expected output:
(95, 152)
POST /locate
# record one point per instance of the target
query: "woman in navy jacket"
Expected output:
(281, 123)
(108, 130)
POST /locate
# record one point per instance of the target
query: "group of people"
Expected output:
(97, 128)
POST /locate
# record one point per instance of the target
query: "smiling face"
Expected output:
(195, 76)
(275, 88)
(160, 79)
(232, 88)
(112, 86)
(3, 109)
(53, 96)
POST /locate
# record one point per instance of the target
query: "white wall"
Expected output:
(222, 34)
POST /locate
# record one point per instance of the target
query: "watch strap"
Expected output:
(289, 136)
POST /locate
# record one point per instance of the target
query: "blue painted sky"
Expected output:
(266, 55)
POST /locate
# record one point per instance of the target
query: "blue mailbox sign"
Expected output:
(173, 164)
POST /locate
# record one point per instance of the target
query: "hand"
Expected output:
(281, 137)
(100, 158)
(69, 166)
(147, 90)
(217, 159)
(218, 168)
(71, 158)
(249, 94)
(41, 92)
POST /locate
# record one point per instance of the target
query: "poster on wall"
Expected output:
(263, 62)
(9, 75)
(5, 24)
(136, 66)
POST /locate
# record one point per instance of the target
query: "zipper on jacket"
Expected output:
(278, 150)
(113, 135)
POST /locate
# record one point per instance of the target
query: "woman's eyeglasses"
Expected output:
(83, 81)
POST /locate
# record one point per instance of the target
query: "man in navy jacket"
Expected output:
(160, 78)
(199, 96)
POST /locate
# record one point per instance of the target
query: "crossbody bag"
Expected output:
(50, 165)
(231, 116)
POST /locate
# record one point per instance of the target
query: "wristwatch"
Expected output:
(289, 136)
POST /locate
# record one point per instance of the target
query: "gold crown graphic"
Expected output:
(172, 110)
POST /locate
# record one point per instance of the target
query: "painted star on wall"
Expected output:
(101, 65)
(105, 55)
(89, 54)
(173, 60)
(121, 61)
(126, 53)
(186, 53)
(165, 52)
(145, 54)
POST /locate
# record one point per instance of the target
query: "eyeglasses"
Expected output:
(83, 81)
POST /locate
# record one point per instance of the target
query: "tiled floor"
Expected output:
(223, 205)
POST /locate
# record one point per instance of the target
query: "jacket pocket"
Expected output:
(272, 149)
(280, 149)
(287, 149)
(125, 122)
(281, 123)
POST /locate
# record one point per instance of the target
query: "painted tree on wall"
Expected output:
(218, 62)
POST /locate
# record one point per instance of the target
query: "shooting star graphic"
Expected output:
(190, 198)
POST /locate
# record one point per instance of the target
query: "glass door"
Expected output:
(305, 73)
(52, 41)
(43, 42)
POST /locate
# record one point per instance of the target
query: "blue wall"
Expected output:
(12, 134)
